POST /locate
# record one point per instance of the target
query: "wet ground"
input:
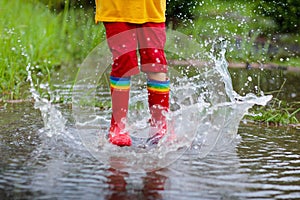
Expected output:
(264, 164)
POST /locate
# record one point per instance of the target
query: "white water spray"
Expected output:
(54, 121)
(205, 110)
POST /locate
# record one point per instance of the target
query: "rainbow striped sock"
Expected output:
(120, 83)
(161, 87)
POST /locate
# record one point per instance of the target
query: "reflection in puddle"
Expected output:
(264, 164)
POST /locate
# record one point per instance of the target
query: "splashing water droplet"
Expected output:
(205, 111)
(54, 122)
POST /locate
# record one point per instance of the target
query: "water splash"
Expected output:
(220, 122)
(205, 110)
(54, 121)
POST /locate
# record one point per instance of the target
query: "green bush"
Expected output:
(285, 13)
(180, 11)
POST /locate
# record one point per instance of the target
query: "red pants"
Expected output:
(124, 39)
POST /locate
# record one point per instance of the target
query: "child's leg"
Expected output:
(152, 40)
(122, 43)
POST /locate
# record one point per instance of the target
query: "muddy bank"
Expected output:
(197, 63)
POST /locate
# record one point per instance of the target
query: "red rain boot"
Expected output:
(158, 99)
(120, 97)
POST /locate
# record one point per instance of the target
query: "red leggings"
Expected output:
(124, 39)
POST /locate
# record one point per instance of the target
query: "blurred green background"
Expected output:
(49, 34)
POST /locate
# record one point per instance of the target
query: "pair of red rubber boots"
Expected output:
(158, 105)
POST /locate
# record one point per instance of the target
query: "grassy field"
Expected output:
(47, 40)
(32, 34)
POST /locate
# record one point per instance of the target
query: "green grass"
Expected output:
(32, 34)
(277, 112)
